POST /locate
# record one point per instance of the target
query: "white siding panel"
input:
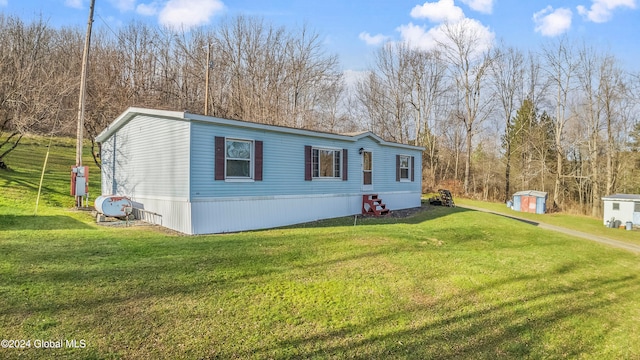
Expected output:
(174, 214)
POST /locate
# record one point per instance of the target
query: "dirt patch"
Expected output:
(404, 213)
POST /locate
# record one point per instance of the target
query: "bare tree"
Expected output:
(469, 63)
(428, 99)
(386, 92)
(268, 74)
(618, 109)
(590, 109)
(561, 68)
(507, 77)
(28, 85)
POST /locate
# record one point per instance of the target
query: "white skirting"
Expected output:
(171, 213)
(220, 215)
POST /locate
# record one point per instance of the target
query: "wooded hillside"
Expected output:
(562, 119)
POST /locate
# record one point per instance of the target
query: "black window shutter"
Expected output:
(307, 163)
(397, 167)
(345, 164)
(412, 168)
(219, 158)
(257, 171)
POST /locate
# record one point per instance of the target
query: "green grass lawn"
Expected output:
(446, 283)
(580, 223)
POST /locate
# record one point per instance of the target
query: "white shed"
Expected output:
(622, 207)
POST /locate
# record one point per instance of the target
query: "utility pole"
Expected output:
(79, 181)
(206, 81)
(83, 87)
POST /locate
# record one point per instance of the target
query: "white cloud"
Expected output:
(353, 77)
(450, 19)
(550, 22)
(438, 12)
(76, 4)
(483, 6)
(602, 10)
(184, 14)
(123, 5)
(372, 40)
(150, 9)
(419, 37)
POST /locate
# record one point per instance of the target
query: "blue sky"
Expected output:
(353, 29)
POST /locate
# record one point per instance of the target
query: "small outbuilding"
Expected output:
(623, 208)
(531, 201)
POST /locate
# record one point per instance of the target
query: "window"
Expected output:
(616, 206)
(238, 158)
(404, 168)
(636, 207)
(326, 163)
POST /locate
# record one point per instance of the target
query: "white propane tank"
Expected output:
(113, 205)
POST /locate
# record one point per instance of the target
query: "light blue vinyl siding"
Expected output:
(148, 156)
(284, 167)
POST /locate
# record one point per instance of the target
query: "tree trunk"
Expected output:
(556, 187)
(3, 165)
(467, 165)
(507, 172)
(595, 184)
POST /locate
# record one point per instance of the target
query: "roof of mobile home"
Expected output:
(132, 112)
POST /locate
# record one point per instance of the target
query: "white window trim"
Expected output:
(327, 178)
(252, 160)
(408, 179)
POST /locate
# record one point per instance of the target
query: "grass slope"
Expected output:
(585, 224)
(446, 283)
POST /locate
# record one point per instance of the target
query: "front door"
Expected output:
(367, 170)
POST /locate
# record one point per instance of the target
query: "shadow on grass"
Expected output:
(515, 327)
(122, 284)
(51, 222)
(404, 216)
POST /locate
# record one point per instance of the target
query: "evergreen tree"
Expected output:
(529, 143)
